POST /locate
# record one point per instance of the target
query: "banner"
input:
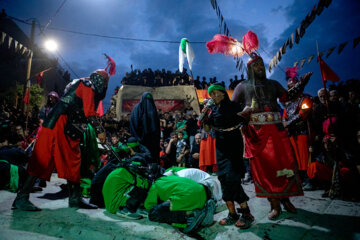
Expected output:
(166, 105)
(167, 98)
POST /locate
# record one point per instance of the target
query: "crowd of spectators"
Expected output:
(158, 78)
(335, 134)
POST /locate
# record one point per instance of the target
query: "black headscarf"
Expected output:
(100, 85)
(145, 125)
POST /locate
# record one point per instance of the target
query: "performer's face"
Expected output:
(291, 83)
(217, 96)
(259, 69)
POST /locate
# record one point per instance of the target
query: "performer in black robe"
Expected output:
(226, 123)
(145, 125)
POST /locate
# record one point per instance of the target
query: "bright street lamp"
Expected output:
(51, 45)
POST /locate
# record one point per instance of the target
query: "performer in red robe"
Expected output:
(59, 140)
(295, 121)
(267, 145)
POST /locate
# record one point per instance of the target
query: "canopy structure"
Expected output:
(168, 99)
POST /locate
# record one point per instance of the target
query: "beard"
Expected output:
(260, 74)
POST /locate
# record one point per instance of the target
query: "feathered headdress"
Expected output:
(291, 72)
(231, 46)
(226, 45)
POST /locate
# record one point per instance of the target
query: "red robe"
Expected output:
(270, 151)
(55, 149)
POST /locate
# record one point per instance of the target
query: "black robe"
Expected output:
(145, 125)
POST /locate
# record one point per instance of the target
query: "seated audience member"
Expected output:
(181, 150)
(193, 161)
(171, 151)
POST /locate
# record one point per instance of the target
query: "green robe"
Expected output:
(117, 186)
(184, 194)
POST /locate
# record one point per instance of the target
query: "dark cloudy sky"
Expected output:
(272, 21)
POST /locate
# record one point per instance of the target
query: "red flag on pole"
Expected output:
(100, 110)
(326, 72)
(39, 77)
(27, 96)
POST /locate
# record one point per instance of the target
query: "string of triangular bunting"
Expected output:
(299, 32)
(18, 47)
(225, 30)
(341, 47)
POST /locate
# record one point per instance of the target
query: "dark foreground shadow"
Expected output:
(308, 225)
(54, 196)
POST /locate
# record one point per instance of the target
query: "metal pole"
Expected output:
(28, 71)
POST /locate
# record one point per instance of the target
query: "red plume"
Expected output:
(250, 42)
(226, 45)
(291, 72)
(111, 65)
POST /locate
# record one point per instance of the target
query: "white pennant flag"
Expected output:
(185, 50)
(16, 45)
(24, 49)
(10, 40)
(20, 47)
(3, 35)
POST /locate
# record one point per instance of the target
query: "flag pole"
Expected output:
(322, 77)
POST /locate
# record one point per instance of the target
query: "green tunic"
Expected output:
(184, 194)
(117, 186)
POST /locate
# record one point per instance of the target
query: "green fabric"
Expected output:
(179, 225)
(85, 184)
(174, 169)
(121, 148)
(184, 194)
(216, 87)
(117, 186)
(180, 125)
(183, 43)
(148, 96)
(133, 144)
(90, 154)
(14, 177)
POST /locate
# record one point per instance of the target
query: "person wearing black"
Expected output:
(191, 127)
(193, 161)
(229, 151)
(171, 151)
(145, 125)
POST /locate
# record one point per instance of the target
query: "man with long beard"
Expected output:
(267, 145)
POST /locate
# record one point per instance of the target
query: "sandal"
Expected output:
(244, 222)
(230, 219)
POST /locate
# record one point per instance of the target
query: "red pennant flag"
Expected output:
(27, 97)
(100, 110)
(326, 72)
(39, 77)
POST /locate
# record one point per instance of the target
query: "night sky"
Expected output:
(170, 20)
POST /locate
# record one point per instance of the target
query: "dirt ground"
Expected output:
(317, 218)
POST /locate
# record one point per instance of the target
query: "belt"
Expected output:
(265, 118)
(227, 129)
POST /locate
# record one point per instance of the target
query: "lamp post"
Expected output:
(28, 71)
